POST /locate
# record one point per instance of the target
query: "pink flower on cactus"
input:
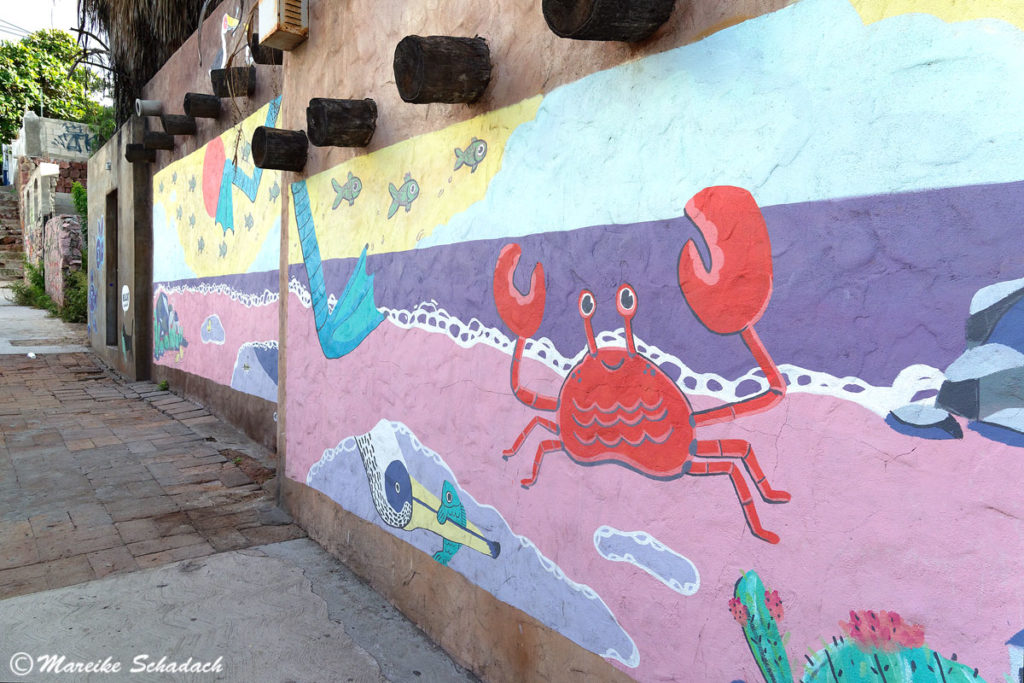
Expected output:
(885, 631)
(774, 603)
(739, 611)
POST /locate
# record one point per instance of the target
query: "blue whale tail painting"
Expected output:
(355, 315)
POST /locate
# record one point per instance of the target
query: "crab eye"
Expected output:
(626, 300)
(586, 304)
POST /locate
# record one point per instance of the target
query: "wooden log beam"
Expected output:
(279, 149)
(629, 22)
(233, 82)
(341, 123)
(134, 152)
(442, 69)
(178, 124)
(154, 139)
(200, 105)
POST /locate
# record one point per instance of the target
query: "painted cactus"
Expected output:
(880, 646)
(756, 610)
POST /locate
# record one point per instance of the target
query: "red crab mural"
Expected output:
(616, 405)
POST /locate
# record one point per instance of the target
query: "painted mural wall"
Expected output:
(722, 381)
(216, 246)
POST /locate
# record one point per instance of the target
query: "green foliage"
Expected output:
(37, 66)
(76, 298)
(80, 196)
(33, 294)
(749, 607)
(164, 385)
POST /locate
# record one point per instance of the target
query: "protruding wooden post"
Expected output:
(620, 20)
(341, 123)
(178, 124)
(154, 139)
(279, 149)
(264, 55)
(200, 105)
(148, 108)
(442, 69)
(134, 152)
(233, 82)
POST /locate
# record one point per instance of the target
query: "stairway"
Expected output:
(12, 248)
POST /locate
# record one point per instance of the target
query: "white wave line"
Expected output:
(430, 317)
(248, 300)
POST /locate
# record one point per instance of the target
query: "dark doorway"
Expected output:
(112, 293)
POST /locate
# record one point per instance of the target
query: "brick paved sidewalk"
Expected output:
(100, 476)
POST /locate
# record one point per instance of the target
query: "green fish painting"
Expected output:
(349, 191)
(451, 508)
(403, 196)
(474, 153)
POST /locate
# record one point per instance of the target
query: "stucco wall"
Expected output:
(764, 393)
(126, 348)
(806, 222)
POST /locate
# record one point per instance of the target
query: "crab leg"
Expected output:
(544, 447)
(738, 448)
(755, 404)
(528, 396)
(535, 422)
(742, 492)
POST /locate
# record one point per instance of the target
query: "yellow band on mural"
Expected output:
(394, 197)
(1010, 11)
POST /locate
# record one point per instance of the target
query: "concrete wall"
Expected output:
(120, 195)
(737, 402)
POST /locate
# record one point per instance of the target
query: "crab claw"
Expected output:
(521, 312)
(731, 295)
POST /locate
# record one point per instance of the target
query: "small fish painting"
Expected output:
(474, 153)
(179, 213)
(451, 508)
(192, 221)
(192, 184)
(403, 196)
(275, 191)
(223, 249)
(349, 191)
(249, 222)
(201, 245)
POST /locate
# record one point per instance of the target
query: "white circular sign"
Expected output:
(126, 298)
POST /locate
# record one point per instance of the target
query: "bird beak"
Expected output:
(424, 516)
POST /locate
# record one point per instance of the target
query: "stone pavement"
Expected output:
(133, 522)
(99, 476)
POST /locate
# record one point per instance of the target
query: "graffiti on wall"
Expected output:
(73, 137)
(216, 227)
(833, 209)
